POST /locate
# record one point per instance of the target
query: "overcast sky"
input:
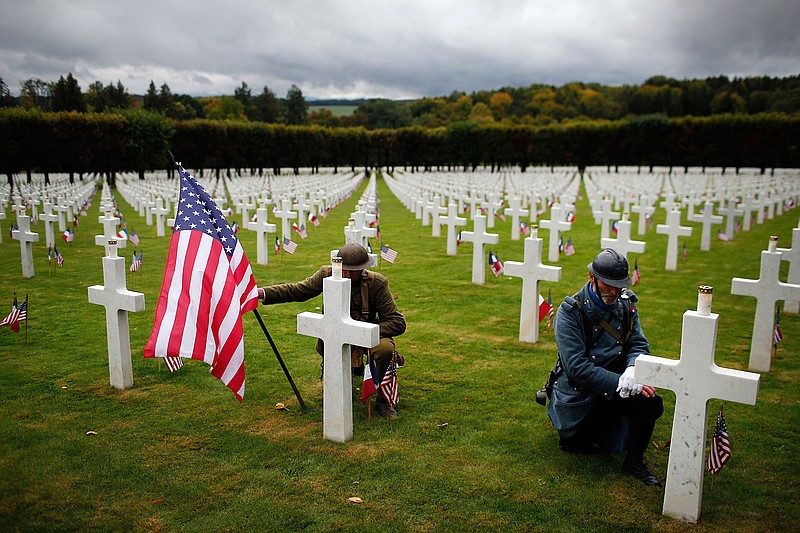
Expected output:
(391, 49)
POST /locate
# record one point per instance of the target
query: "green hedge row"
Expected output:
(140, 141)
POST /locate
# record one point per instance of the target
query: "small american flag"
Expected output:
(551, 313)
(683, 255)
(388, 387)
(722, 236)
(58, 256)
(636, 275)
(569, 248)
(174, 363)
(289, 245)
(387, 254)
(720, 451)
(302, 231)
(134, 238)
(18, 313)
(778, 336)
(136, 262)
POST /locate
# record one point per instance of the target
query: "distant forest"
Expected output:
(535, 105)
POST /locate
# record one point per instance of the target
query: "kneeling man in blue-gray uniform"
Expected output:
(594, 400)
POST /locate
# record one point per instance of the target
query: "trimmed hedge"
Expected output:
(140, 141)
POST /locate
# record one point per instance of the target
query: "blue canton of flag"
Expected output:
(197, 211)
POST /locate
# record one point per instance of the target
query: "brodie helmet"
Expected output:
(610, 267)
(354, 257)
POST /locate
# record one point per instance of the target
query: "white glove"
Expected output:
(626, 386)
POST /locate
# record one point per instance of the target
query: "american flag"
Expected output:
(58, 256)
(778, 335)
(387, 254)
(134, 238)
(136, 262)
(289, 245)
(208, 286)
(495, 264)
(683, 254)
(720, 451)
(722, 236)
(18, 314)
(635, 277)
(551, 313)
(388, 386)
(302, 231)
(174, 363)
(569, 248)
(545, 307)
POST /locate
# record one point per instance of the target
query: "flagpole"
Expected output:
(280, 360)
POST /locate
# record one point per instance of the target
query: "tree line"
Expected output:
(535, 105)
(135, 140)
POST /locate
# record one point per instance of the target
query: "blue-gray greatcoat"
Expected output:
(590, 377)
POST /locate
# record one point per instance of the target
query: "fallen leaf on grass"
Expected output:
(442, 425)
(355, 499)
(91, 433)
(157, 501)
(280, 407)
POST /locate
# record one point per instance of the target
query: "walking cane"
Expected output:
(280, 360)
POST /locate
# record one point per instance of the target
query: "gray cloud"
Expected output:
(352, 48)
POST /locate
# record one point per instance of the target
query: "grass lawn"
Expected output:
(336, 110)
(469, 451)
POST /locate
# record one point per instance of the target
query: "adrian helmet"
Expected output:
(610, 267)
(354, 257)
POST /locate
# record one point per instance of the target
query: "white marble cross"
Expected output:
(452, 221)
(49, 219)
(768, 289)
(479, 239)
(160, 211)
(792, 256)
(338, 332)
(531, 270)
(623, 243)
(26, 239)
(605, 216)
(19, 208)
(645, 210)
(707, 218)
(437, 211)
(730, 212)
(749, 206)
(118, 301)
(109, 223)
(556, 225)
(673, 230)
(263, 229)
(516, 211)
(286, 214)
(695, 379)
(61, 210)
(2, 215)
